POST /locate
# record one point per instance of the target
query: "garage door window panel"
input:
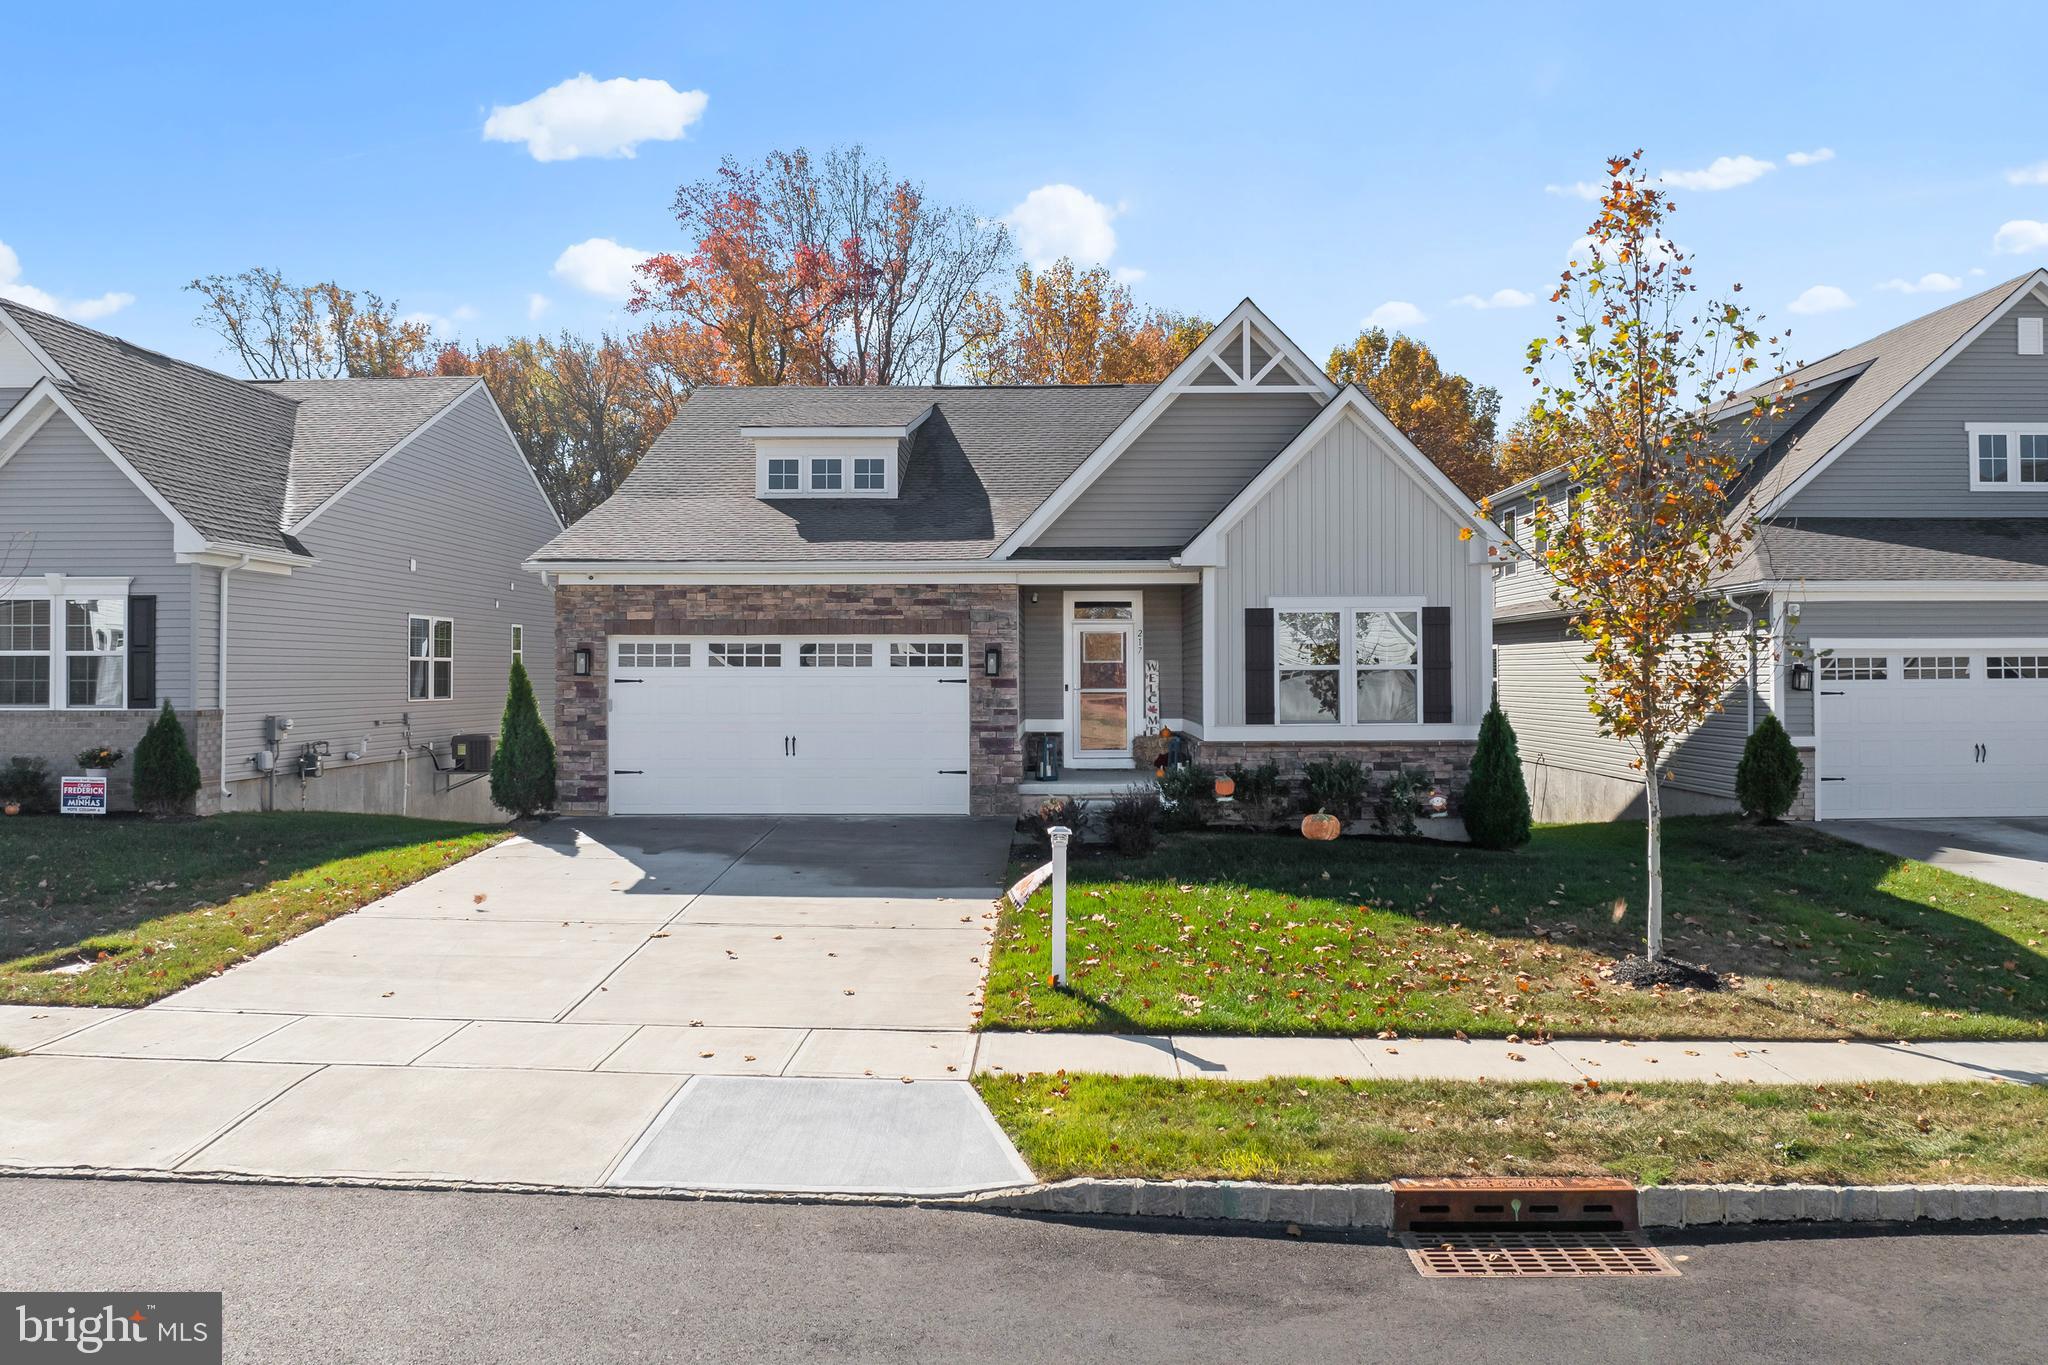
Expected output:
(2016, 667)
(1936, 668)
(744, 654)
(836, 654)
(654, 654)
(923, 654)
(1855, 668)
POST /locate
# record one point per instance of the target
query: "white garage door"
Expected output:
(1948, 730)
(834, 725)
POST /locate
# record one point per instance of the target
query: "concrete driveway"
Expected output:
(533, 1013)
(2011, 852)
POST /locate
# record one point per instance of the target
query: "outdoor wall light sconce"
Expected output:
(1802, 677)
(992, 660)
(582, 663)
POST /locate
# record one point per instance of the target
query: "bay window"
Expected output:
(1347, 662)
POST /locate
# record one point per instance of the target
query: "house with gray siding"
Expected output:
(958, 600)
(323, 577)
(1895, 596)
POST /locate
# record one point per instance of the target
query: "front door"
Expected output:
(1100, 645)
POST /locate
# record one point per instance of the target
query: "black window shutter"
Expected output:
(1436, 665)
(142, 651)
(1258, 665)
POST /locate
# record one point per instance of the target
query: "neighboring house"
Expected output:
(1898, 585)
(890, 600)
(341, 554)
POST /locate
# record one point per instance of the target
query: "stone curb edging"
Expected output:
(1368, 1208)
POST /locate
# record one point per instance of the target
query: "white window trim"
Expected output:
(1347, 664)
(429, 658)
(1134, 675)
(58, 590)
(2012, 431)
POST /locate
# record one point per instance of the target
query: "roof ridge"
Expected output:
(133, 348)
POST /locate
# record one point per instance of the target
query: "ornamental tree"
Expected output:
(1650, 395)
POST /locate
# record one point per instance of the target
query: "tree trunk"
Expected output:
(1654, 813)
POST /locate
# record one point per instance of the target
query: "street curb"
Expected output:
(1368, 1208)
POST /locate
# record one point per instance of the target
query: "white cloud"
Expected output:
(587, 117)
(12, 286)
(2036, 174)
(1395, 313)
(536, 304)
(1933, 282)
(1578, 189)
(1128, 274)
(1059, 220)
(602, 267)
(1821, 298)
(1656, 248)
(1812, 158)
(1722, 173)
(2020, 237)
(445, 326)
(1499, 298)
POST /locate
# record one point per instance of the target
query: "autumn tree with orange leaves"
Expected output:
(1065, 325)
(1647, 391)
(1450, 419)
(281, 330)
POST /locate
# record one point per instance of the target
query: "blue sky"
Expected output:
(1329, 161)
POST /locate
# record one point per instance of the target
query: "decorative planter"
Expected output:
(1321, 826)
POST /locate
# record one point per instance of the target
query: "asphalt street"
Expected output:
(316, 1275)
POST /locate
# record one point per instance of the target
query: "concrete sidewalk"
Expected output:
(1189, 1056)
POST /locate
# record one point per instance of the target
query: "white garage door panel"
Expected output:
(1905, 747)
(789, 740)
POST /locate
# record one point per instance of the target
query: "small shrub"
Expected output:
(1261, 792)
(1767, 779)
(1394, 811)
(166, 773)
(1132, 821)
(523, 765)
(1335, 785)
(1056, 810)
(1188, 791)
(27, 782)
(1496, 803)
(99, 756)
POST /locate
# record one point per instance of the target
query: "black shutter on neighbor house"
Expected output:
(1258, 665)
(1436, 665)
(142, 651)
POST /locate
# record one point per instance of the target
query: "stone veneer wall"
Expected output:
(57, 736)
(1802, 804)
(1448, 762)
(587, 615)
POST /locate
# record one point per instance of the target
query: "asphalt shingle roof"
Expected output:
(1832, 549)
(978, 466)
(239, 460)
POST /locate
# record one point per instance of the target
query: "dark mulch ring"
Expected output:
(1671, 972)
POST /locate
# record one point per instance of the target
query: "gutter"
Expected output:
(1749, 643)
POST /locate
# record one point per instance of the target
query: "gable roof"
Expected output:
(977, 466)
(1897, 549)
(239, 461)
(1877, 376)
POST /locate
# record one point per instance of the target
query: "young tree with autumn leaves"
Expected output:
(1647, 391)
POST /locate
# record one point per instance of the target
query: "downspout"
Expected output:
(222, 678)
(1749, 642)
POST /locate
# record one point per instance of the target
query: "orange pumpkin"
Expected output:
(1225, 786)
(1321, 825)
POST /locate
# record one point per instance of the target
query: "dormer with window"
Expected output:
(831, 462)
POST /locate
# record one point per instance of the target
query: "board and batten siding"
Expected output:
(326, 645)
(1351, 520)
(1916, 462)
(1959, 620)
(1191, 654)
(80, 515)
(1198, 454)
(1044, 640)
(1538, 671)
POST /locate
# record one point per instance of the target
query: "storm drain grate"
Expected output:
(1539, 1254)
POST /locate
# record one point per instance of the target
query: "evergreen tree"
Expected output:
(523, 767)
(1767, 779)
(166, 773)
(1496, 804)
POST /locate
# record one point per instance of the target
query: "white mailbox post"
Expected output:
(1059, 834)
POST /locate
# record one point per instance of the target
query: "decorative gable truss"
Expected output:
(1247, 357)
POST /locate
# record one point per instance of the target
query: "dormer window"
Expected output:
(827, 476)
(782, 476)
(833, 461)
(870, 475)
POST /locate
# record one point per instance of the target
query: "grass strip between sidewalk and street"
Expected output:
(1316, 1131)
(1272, 934)
(139, 910)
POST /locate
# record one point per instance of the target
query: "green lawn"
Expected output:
(154, 907)
(1272, 934)
(1337, 1131)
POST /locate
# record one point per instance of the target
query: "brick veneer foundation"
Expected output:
(57, 737)
(588, 615)
(1448, 762)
